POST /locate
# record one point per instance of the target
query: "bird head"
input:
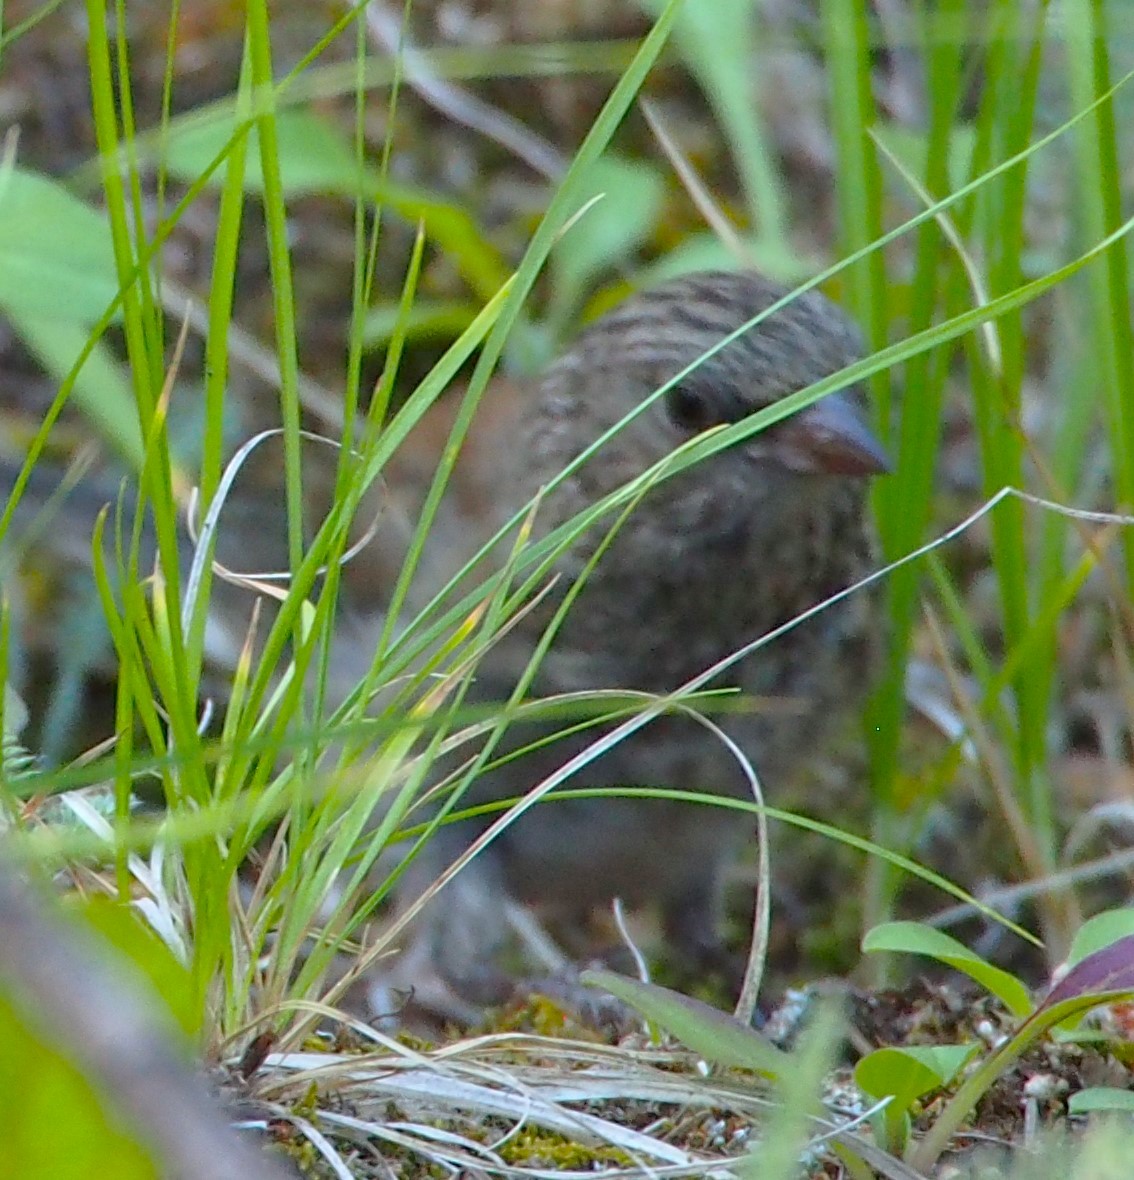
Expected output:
(653, 336)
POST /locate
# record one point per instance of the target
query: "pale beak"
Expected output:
(830, 438)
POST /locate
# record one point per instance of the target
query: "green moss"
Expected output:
(543, 1148)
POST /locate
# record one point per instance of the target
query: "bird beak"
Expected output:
(829, 438)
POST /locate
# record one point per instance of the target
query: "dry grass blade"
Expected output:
(531, 1085)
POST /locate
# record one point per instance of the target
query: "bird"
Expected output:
(720, 554)
(708, 560)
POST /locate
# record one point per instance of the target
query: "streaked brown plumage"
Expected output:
(710, 559)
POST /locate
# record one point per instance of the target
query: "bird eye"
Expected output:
(688, 410)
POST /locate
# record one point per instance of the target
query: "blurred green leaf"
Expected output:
(721, 43)
(718, 1037)
(57, 278)
(427, 320)
(620, 202)
(705, 251)
(315, 157)
(101, 389)
(128, 932)
(51, 1121)
(56, 253)
(15, 712)
(775, 1154)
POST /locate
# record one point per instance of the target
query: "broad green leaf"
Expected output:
(715, 1035)
(912, 938)
(1099, 932)
(56, 254)
(1102, 977)
(699, 251)
(314, 157)
(427, 320)
(1101, 1098)
(909, 1072)
(903, 1075)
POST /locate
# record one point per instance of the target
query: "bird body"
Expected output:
(709, 560)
